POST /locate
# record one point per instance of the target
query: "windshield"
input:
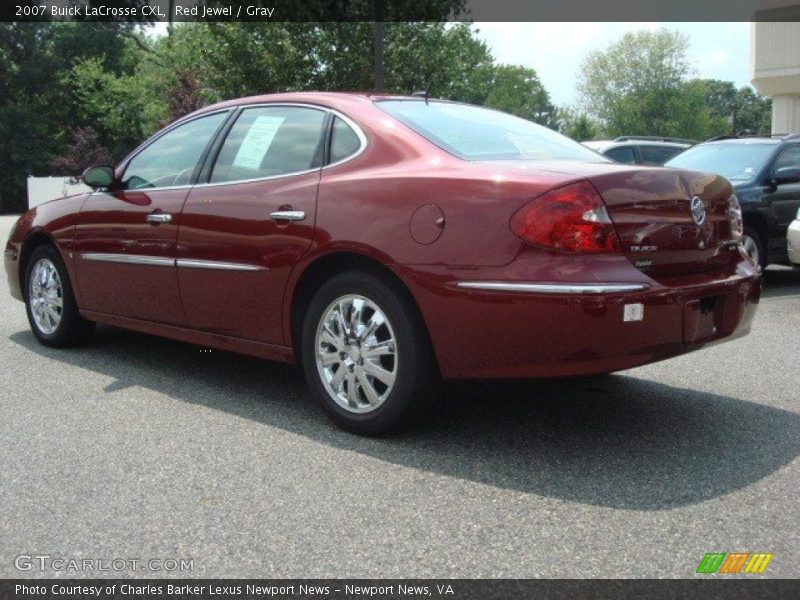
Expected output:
(475, 133)
(736, 162)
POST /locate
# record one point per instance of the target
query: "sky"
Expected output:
(556, 50)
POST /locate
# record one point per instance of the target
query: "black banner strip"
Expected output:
(144, 11)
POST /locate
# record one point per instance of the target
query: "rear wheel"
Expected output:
(50, 304)
(754, 247)
(366, 355)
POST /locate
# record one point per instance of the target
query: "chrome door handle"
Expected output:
(158, 218)
(288, 215)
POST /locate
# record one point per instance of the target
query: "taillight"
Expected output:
(735, 215)
(572, 218)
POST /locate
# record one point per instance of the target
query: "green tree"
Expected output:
(735, 110)
(577, 125)
(639, 86)
(36, 107)
(718, 95)
(753, 112)
(517, 90)
(240, 59)
(121, 109)
(447, 62)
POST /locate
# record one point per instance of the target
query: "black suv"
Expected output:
(765, 174)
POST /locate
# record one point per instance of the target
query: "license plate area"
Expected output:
(710, 317)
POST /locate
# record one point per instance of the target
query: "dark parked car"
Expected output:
(383, 242)
(765, 173)
(640, 150)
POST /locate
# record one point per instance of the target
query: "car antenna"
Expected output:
(421, 94)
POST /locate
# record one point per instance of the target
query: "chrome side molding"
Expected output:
(129, 259)
(187, 263)
(190, 263)
(552, 288)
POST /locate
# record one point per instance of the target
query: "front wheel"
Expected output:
(52, 311)
(366, 354)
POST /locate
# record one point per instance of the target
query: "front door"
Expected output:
(244, 230)
(783, 200)
(125, 239)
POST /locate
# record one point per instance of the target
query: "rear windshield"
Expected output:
(736, 162)
(474, 133)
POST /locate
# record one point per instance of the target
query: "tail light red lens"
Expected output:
(572, 218)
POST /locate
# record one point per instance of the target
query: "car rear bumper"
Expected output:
(577, 327)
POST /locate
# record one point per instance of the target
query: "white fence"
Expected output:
(42, 189)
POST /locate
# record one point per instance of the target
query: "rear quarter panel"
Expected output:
(368, 202)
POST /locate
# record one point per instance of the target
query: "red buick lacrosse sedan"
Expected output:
(384, 242)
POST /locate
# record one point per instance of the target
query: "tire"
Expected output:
(754, 246)
(390, 382)
(47, 285)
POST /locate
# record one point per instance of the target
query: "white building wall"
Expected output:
(42, 189)
(775, 70)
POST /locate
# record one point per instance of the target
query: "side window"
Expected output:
(171, 159)
(657, 155)
(269, 141)
(344, 141)
(622, 154)
(788, 158)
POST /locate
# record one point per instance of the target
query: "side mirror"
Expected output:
(786, 175)
(101, 176)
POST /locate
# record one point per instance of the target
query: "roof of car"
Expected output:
(601, 145)
(310, 97)
(747, 140)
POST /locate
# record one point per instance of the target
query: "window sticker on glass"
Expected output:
(257, 141)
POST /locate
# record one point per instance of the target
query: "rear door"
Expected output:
(125, 240)
(622, 154)
(243, 230)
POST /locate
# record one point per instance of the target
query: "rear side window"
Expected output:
(657, 155)
(623, 154)
(269, 141)
(788, 158)
(344, 141)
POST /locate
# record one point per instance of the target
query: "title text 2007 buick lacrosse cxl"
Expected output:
(384, 242)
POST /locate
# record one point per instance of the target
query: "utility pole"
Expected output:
(379, 36)
(171, 9)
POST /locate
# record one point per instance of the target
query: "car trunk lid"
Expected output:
(652, 211)
(669, 221)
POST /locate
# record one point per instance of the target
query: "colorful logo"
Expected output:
(734, 562)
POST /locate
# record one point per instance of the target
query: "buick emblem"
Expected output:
(698, 210)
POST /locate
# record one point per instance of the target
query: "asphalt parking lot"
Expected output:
(135, 446)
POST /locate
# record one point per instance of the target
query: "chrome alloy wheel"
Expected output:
(46, 296)
(751, 249)
(356, 353)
